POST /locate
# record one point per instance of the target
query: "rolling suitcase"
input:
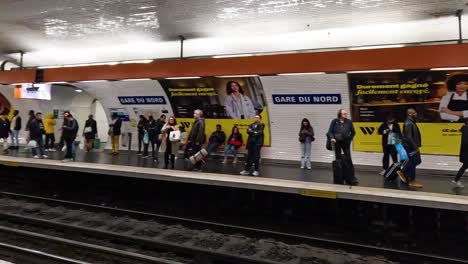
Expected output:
(391, 173)
(348, 171)
(337, 166)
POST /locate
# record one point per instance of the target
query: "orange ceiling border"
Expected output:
(410, 58)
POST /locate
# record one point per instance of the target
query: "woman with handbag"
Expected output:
(170, 141)
(234, 143)
(306, 136)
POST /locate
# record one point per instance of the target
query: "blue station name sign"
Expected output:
(306, 98)
(141, 100)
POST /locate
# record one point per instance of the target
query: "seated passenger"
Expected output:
(234, 143)
(217, 139)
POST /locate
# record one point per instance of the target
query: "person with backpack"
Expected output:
(114, 132)
(306, 136)
(90, 133)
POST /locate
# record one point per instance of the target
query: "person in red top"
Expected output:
(233, 144)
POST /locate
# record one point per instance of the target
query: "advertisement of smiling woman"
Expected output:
(439, 97)
(226, 101)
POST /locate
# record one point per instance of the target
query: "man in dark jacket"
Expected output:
(390, 130)
(152, 138)
(217, 138)
(196, 137)
(141, 132)
(90, 133)
(254, 146)
(4, 131)
(463, 154)
(15, 129)
(157, 130)
(62, 141)
(341, 133)
(412, 134)
(115, 132)
(36, 131)
(70, 130)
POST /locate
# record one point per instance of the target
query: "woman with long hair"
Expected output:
(170, 146)
(234, 143)
(238, 105)
(306, 136)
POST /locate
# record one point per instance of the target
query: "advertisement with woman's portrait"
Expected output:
(226, 101)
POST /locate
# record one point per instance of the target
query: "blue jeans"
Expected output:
(230, 148)
(410, 169)
(40, 146)
(305, 153)
(14, 138)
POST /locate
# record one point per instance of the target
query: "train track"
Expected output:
(126, 236)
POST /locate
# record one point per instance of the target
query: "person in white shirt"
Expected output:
(454, 105)
(238, 105)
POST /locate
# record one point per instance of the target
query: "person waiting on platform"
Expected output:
(238, 105)
(463, 154)
(4, 131)
(254, 146)
(114, 132)
(141, 132)
(197, 138)
(31, 117)
(36, 132)
(170, 141)
(234, 143)
(306, 136)
(454, 105)
(157, 129)
(150, 129)
(62, 145)
(15, 129)
(216, 139)
(412, 135)
(90, 133)
(390, 130)
(49, 126)
(70, 130)
(183, 138)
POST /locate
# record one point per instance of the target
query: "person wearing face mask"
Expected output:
(390, 130)
(453, 106)
(238, 105)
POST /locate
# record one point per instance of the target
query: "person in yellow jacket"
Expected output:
(49, 127)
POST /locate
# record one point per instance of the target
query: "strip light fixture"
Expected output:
(183, 78)
(377, 71)
(232, 56)
(377, 47)
(141, 79)
(300, 73)
(449, 69)
(237, 76)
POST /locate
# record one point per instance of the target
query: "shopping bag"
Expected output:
(32, 144)
(174, 135)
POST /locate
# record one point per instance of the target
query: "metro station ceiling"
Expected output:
(39, 24)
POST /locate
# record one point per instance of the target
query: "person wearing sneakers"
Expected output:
(49, 126)
(15, 129)
(412, 135)
(70, 129)
(234, 143)
(36, 131)
(306, 136)
(389, 131)
(463, 154)
(254, 146)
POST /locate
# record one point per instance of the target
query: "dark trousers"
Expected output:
(461, 171)
(151, 142)
(409, 169)
(140, 141)
(212, 146)
(158, 145)
(253, 157)
(49, 141)
(69, 142)
(345, 147)
(168, 154)
(389, 150)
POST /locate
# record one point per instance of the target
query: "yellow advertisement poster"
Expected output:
(437, 138)
(439, 98)
(228, 102)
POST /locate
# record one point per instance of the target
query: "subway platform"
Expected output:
(275, 177)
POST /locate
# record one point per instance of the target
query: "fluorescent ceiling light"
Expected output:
(299, 73)
(182, 78)
(93, 81)
(376, 71)
(232, 56)
(141, 79)
(377, 47)
(49, 67)
(449, 69)
(137, 61)
(78, 90)
(237, 76)
(57, 82)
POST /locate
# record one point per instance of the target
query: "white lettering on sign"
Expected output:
(140, 100)
(154, 100)
(303, 99)
(285, 99)
(127, 100)
(326, 99)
